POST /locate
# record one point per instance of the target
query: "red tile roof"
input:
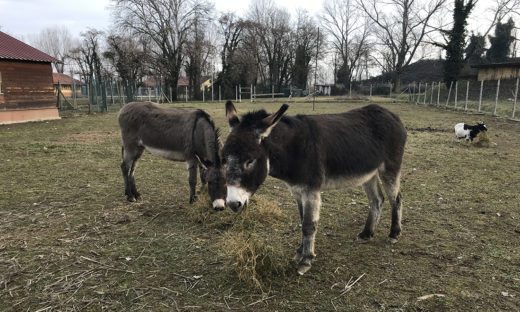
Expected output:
(14, 49)
(64, 79)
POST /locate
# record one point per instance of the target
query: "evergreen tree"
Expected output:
(457, 40)
(501, 42)
(475, 49)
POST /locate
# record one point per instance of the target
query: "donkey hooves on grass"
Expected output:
(364, 237)
(303, 268)
(130, 198)
(193, 199)
(392, 240)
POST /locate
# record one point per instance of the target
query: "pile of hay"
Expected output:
(255, 259)
(246, 241)
(482, 139)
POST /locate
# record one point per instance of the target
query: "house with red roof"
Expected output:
(67, 84)
(26, 83)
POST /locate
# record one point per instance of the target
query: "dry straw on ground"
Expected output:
(482, 140)
(253, 257)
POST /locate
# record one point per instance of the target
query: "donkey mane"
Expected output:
(251, 119)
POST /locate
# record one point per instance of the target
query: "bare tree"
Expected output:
(167, 23)
(87, 57)
(348, 30)
(55, 41)
(403, 25)
(271, 34)
(127, 56)
(500, 9)
(306, 44)
(199, 50)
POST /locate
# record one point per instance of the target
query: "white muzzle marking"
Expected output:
(237, 194)
(219, 203)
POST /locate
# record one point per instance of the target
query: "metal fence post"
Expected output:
(480, 97)
(514, 103)
(418, 94)
(456, 92)
(219, 94)
(425, 89)
(370, 97)
(449, 93)
(438, 93)
(467, 94)
(186, 97)
(496, 98)
(350, 90)
(431, 94)
(240, 93)
(413, 93)
(236, 93)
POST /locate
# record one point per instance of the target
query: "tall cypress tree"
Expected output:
(457, 40)
(501, 42)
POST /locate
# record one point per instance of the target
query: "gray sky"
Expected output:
(22, 18)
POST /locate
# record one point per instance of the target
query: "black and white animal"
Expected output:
(465, 131)
(179, 134)
(311, 153)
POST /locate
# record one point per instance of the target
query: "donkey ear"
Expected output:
(270, 121)
(231, 115)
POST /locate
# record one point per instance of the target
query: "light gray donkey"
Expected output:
(179, 134)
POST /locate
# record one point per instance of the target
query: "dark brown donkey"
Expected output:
(180, 134)
(316, 152)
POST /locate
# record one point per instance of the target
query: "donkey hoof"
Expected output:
(393, 239)
(130, 198)
(303, 268)
(137, 196)
(193, 199)
(364, 237)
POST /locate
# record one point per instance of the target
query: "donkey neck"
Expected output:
(292, 152)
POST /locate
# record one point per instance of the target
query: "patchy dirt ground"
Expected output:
(69, 240)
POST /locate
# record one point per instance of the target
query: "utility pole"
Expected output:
(316, 68)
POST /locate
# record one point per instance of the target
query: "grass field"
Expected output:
(69, 241)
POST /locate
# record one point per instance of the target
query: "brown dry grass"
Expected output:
(69, 241)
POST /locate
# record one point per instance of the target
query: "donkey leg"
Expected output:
(192, 179)
(375, 200)
(311, 203)
(202, 174)
(139, 152)
(297, 195)
(391, 184)
(128, 155)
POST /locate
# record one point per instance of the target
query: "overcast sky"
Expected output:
(22, 18)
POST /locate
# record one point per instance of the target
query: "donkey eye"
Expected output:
(249, 164)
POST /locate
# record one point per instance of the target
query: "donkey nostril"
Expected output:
(234, 205)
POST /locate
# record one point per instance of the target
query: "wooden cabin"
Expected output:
(26, 88)
(67, 84)
(496, 71)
